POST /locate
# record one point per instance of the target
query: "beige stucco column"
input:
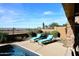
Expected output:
(70, 36)
(70, 39)
(69, 11)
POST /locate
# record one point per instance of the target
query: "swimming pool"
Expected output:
(15, 50)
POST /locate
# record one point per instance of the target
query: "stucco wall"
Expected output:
(47, 30)
(62, 31)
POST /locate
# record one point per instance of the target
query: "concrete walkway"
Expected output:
(53, 49)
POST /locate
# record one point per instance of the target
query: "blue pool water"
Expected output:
(15, 50)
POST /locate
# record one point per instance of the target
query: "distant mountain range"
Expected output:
(18, 29)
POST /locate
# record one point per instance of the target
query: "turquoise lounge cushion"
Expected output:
(48, 38)
(38, 36)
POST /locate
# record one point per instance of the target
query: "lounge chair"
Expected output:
(38, 36)
(42, 37)
(48, 39)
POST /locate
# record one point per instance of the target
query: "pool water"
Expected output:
(15, 50)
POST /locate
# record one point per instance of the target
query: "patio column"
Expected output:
(69, 11)
(70, 39)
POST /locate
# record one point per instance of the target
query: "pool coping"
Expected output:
(22, 47)
(27, 49)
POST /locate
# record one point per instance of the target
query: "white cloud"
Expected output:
(52, 13)
(13, 12)
(8, 16)
(8, 11)
(9, 20)
(48, 13)
(6, 20)
(2, 11)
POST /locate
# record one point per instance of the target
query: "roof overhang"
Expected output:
(69, 9)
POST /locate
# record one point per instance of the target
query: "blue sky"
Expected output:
(31, 15)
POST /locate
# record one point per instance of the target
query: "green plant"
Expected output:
(54, 33)
(3, 36)
(54, 24)
(39, 31)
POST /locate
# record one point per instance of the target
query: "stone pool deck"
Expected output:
(52, 49)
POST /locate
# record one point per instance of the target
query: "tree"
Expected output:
(64, 24)
(54, 24)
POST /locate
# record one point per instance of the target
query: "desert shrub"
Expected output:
(3, 37)
(32, 34)
(39, 31)
(55, 33)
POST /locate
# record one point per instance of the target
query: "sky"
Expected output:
(30, 15)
